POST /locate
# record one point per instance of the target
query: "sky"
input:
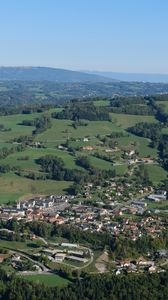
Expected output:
(102, 35)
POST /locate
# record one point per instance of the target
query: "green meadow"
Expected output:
(51, 280)
(13, 187)
(125, 121)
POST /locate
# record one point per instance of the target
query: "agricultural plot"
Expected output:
(51, 280)
(61, 130)
(140, 144)
(12, 185)
(32, 154)
(125, 121)
(58, 134)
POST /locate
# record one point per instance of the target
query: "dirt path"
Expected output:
(101, 262)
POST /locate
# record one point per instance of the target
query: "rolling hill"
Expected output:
(49, 74)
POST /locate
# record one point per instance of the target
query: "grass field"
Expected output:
(156, 173)
(62, 129)
(164, 104)
(50, 280)
(126, 121)
(142, 145)
(9, 197)
(13, 121)
(35, 153)
(12, 185)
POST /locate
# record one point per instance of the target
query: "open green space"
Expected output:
(140, 144)
(61, 130)
(11, 184)
(26, 247)
(50, 280)
(163, 104)
(9, 197)
(156, 173)
(34, 154)
(126, 121)
(13, 121)
(12, 187)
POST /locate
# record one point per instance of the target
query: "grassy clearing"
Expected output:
(100, 163)
(121, 170)
(35, 153)
(13, 121)
(23, 186)
(126, 121)
(156, 173)
(62, 129)
(164, 104)
(8, 197)
(23, 246)
(142, 145)
(50, 280)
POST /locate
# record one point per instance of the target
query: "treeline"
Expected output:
(83, 110)
(122, 248)
(41, 124)
(131, 105)
(24, 109)
(147, 130)
(4, 152)
(92, 287)
(163, 150)
(55, 169)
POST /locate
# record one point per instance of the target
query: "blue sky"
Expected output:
(107, 35)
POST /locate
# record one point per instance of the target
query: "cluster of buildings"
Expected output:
(112, 217)
(68, 252)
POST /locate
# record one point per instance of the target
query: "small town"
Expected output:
(129, 219)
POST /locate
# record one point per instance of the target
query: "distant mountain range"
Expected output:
(68, 76)
(133, 77)
(50, 74)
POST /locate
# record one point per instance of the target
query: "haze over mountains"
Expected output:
(63, 75)
(133, 77)
(50, 74)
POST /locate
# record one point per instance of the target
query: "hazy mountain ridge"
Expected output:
(50, 74)
(133, 77)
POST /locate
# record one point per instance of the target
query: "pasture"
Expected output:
(125, 121)
(51, 280)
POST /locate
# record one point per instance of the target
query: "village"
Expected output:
(131, 219)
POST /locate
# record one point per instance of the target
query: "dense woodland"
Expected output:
(78, 110)
(131, 105)
(94, 287)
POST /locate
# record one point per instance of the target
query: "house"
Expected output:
(69, 245)
(49, 252)
(152, 269)
(157, 197)
(125, 263)
(59, 257)
(85, 139)
(89, 148)
(143, 262)
(16, 258)
(80, 259)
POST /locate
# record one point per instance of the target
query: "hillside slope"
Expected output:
(50, 74)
